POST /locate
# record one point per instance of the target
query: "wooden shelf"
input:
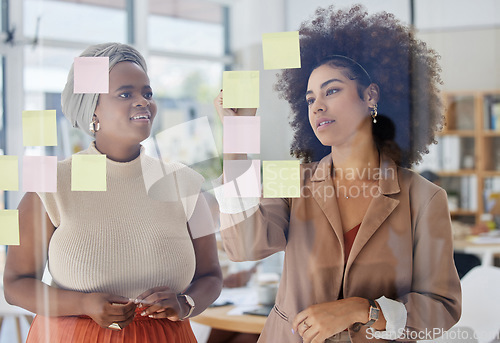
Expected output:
(461, 212)
(470, 110)
(490, 173)
(457, 173)
(460, 133)
(491, 133)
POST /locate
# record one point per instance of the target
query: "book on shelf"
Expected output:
(468, 193)
(462, 108)
(491, 193)
(450, 153)
(492, 112)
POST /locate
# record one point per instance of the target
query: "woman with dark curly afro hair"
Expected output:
(368, 244)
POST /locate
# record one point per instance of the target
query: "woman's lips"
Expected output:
(324, 123)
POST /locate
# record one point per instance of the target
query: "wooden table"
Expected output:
(217, 317)
(485, 252)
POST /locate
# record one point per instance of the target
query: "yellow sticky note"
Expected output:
(88, 172)
(281, 50)
(281, 179)
(241, 89)
(9, 227)
(9, 173)
(39, 128)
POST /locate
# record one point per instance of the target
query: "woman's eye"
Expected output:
(331, 91)
(310, 101)
(148, 95)
(124, 95)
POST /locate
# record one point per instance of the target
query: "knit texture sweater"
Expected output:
(122, 241)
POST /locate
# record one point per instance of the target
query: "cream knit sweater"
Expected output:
(121, 241)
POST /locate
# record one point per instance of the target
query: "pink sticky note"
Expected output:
(242, 178)
(40, 174)
(241, 135)
(91, 75)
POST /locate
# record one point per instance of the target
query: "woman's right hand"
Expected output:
(223, 112)
(106, 309)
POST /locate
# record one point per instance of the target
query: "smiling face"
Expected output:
(337, 114)
(126, 113)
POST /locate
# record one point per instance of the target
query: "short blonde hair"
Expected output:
(79, 108)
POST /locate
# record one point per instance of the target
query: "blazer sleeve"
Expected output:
(257, 232)
(434, 305)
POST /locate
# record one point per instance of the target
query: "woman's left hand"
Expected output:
(160, 302)
(321, 321)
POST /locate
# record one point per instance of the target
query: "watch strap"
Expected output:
(190, 302)
(373, 316)
(374, 311)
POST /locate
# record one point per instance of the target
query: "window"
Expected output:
(84, 21)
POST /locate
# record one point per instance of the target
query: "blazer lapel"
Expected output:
(379, 209)
(324, 193)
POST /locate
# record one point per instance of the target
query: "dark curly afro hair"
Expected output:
(405, 69)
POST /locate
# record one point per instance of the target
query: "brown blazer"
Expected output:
(403, 250)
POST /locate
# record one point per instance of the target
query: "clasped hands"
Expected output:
(107, 309)
(321, 321)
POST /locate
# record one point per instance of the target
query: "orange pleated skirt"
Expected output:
(83, 329)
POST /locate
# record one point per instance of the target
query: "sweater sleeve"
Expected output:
(50, 204)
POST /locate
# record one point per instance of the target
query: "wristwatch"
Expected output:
(373, 316)
(190, 303)
(374, 312)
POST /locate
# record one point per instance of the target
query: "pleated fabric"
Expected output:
(83, 329)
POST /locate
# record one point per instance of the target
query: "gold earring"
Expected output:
(374, 113)
(94, 125)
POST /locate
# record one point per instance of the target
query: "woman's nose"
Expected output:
(318, 106)
(142, 102)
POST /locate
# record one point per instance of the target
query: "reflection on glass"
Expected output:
(45, 74)
(180, 35)
(184, 90)
(76, 22)
(2, 142)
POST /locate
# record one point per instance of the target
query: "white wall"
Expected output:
(299, 10)
(470, 59)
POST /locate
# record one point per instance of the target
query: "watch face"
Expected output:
(374, 313)
(189, 300)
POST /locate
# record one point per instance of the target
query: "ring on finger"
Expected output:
(114, 326)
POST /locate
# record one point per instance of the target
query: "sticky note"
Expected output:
(9, 227)
(9, 173)
(91, 75)
(39, 128)
(40, 174)
(241, 135)
(242, 178)
(281, 50)
(241, 89)
(88, 172)
(281, 179)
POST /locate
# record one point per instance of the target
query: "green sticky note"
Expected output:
(9, 173)
(88, 172)
(241, 89)
(281, 179)
(281, 50)
(39, 128)
(9, 227)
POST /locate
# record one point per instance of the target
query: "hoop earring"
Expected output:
(94, 125)
(374, 113)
